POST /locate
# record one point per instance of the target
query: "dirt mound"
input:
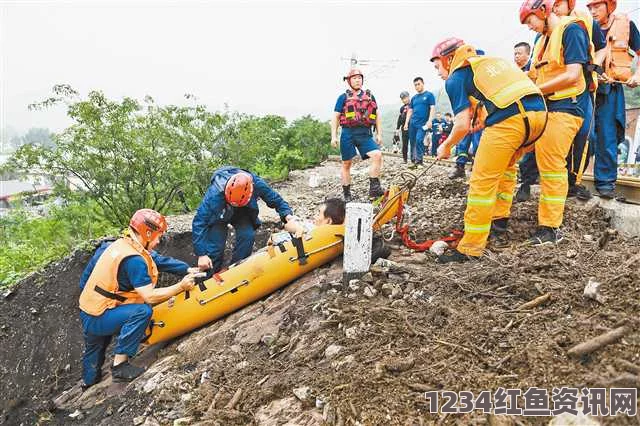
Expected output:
(317, 353)
(39, 323)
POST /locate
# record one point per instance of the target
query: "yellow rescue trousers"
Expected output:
(551, 156)
(494, 177)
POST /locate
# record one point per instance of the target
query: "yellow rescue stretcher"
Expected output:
(254, 278)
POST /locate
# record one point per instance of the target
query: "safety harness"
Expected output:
(360, 110)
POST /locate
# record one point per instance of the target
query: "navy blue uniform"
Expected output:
(128, 321)
(209, 225)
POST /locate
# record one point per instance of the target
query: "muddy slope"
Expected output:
(318, 353)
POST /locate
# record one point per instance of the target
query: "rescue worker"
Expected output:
(118, 287)
(356, 112)
(621, 35)
(402, 118)
(578, 158)
(513, 118)
(421, 109)
(527, 166)
(232, 198)
(560, 65)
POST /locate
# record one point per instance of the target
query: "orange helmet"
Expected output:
(444, 49)
(570, 3)
(239, 189)
(352, 73)
(535, 7)
(611, 4)
(149, 224)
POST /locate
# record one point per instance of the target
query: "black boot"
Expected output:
(545, 235)
(524, 193)
(375, 190)
(454, 256)
(125, 372)
(346, 191)
(458, 172)
(498, 236)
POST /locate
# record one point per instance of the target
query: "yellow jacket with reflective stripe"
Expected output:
(548, 60)
(498, 80)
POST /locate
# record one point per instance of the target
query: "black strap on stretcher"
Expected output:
(299, 245)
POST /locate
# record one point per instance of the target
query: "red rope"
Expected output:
(452, 239)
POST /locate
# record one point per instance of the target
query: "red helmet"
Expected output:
(446, 48)
(239, 189)
(611, 4)
(149, 224)
(352, 73)
(535, 7)
(570, 3)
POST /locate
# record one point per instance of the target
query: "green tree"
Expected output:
(128, 154)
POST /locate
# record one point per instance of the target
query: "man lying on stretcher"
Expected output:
(330, 212)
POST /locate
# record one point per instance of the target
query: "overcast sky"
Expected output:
(276, 57)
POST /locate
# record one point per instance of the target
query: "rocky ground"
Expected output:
(318, 353)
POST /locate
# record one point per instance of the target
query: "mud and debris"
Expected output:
(316, 352)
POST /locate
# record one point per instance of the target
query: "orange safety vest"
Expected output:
(617, 62)
(498, 80)
(548, 61)
(101, 291)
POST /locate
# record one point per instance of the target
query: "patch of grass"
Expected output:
(30, 242)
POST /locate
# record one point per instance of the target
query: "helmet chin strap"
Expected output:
(134, 236)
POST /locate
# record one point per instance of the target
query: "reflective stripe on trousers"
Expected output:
(493, 178)
(551, 154)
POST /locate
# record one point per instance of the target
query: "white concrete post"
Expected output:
(358, 237)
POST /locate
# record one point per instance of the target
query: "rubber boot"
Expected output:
(499, 237)
(523, 194)
(454, 257)
(375, 190)
(125, 372)
(458, 172)
(346, 191)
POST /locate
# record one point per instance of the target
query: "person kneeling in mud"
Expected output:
(118, 288)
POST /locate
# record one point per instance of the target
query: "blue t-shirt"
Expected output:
(421, 104)
(575, 50)
(460, 86)
(132, 272)
(597, 36)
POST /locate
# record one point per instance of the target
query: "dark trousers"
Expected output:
(435, 138)
(577, 151)
(128, 322)
(245, 237)
(529, 169)
(405, 144)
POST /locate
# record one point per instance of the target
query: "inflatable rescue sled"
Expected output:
(256, 277)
